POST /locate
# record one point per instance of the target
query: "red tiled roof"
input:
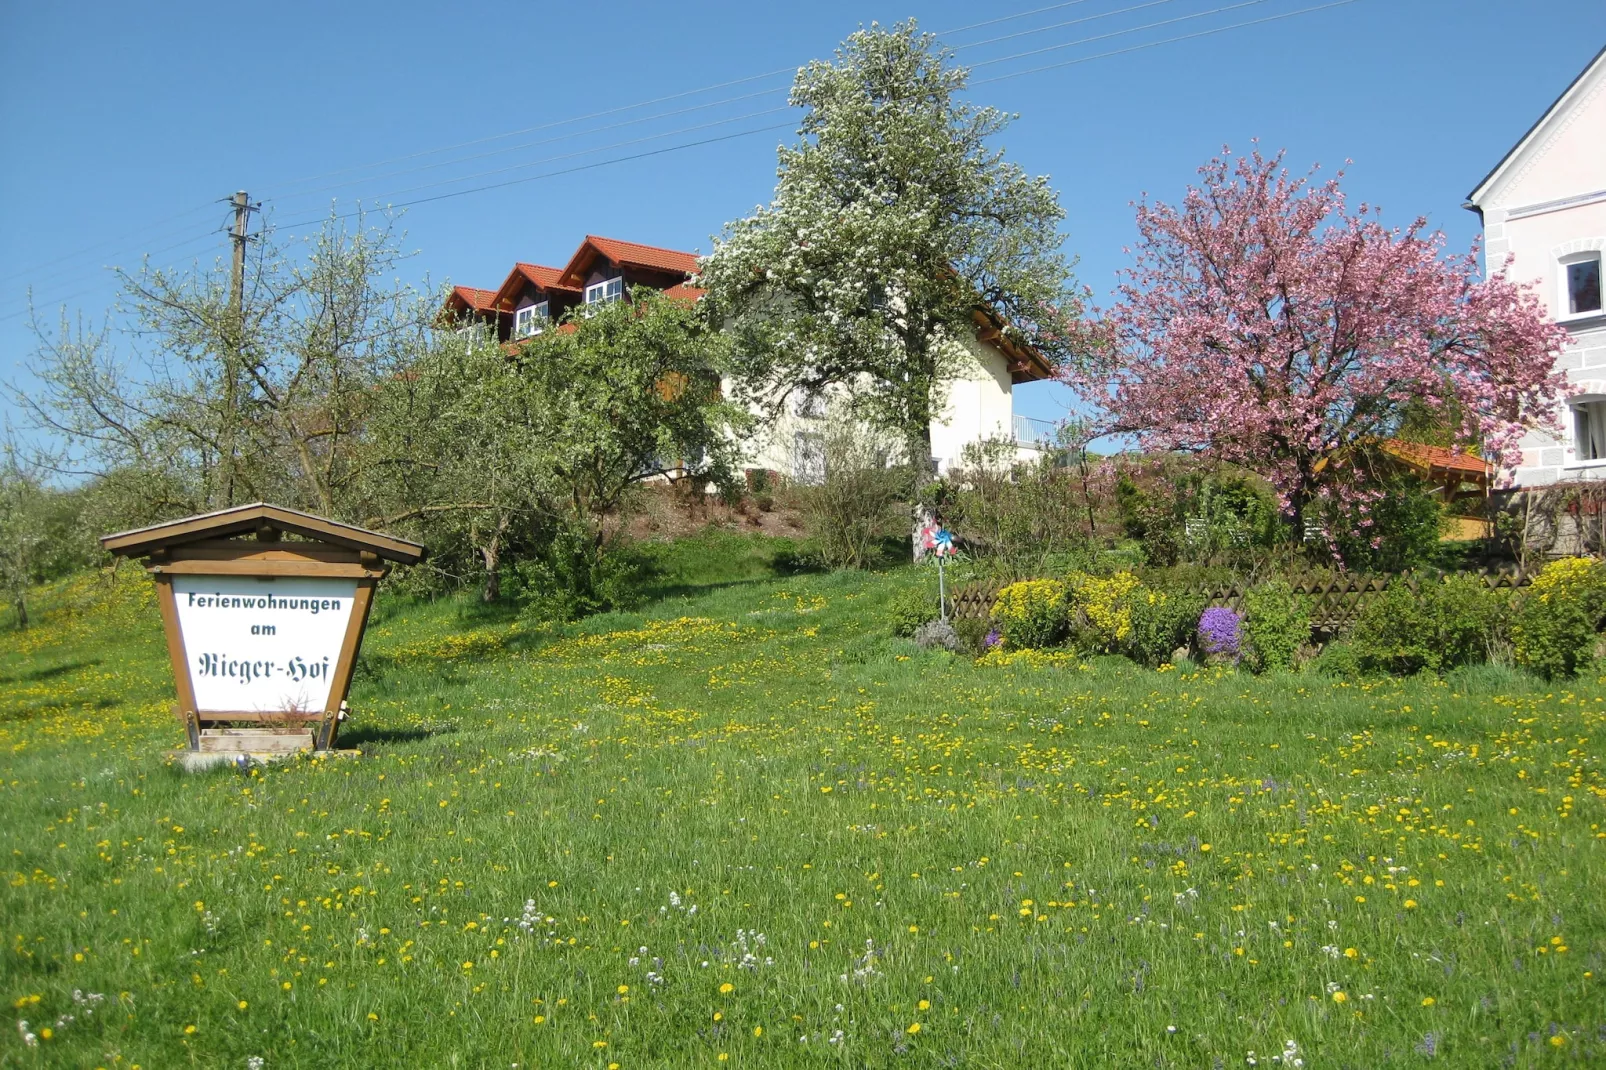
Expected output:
(626, 253)
(474, 298)
(685, 291)
(1439, 458)
(647, 256)
(547, 278)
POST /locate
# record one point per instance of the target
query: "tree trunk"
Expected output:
(491, 555)
(493, 575)
(21, 602)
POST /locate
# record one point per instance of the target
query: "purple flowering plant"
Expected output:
(1220, 631)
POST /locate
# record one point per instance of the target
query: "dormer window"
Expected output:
(1581, 278)
(600, 293)
(530, 321)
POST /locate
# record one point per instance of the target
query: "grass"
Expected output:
(745, 828)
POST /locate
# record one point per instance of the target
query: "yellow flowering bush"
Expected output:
(1031, 614)
(997, 658)
(1105, 603)
(1554, 635)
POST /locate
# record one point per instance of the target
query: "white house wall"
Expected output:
(979, 405)
(1543, 204)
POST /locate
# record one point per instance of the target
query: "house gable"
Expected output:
(598, 259)
(1561, 156)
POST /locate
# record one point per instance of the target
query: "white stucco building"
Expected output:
(979, 403)
(1544, 217)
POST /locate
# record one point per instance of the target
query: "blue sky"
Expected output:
(123, 124)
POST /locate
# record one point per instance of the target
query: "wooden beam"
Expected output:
(249, 567)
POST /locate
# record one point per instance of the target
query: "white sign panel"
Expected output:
(262, 645)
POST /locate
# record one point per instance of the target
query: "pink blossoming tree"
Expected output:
(1264, 325)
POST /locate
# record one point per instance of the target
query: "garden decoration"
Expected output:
(939, 543)
(262, 630)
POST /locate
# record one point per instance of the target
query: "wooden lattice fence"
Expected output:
(1335, 602)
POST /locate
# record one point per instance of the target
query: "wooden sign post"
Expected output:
(264, 609)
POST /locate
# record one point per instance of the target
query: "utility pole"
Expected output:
(234, 346)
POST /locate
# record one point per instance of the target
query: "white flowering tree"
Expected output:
(895, 220)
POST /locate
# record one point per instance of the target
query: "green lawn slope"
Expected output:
(743, 827)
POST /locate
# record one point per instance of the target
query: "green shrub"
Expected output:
(1406, 522)
(1337, 661)
(909, 609)
(1031, 614)
(1277, 624)
(1442, 625)
(1554, 634)
(973, 632)
(1162, 621)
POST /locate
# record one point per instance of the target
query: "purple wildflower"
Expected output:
(994, 637)
(1220, 630)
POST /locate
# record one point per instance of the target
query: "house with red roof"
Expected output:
(980, 404)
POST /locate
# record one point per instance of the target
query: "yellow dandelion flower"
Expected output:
(623, 989)
(726, 989)
(1340, 997)
(758, 1030)
(1428, 1001)
(923, 1005)
(914, 1027)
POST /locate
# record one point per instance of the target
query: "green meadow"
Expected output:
(744, 827)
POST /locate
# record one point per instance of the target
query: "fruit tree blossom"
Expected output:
(896, 223)
(1265, 325)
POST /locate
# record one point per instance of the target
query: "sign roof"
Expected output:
(247, 518)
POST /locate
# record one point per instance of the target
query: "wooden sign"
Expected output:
(264, 609)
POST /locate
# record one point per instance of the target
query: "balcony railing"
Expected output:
(1033, 432)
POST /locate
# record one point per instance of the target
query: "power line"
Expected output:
(296, 195)
(1117, 33)
(1068, 22)
(647, 103)
(585, 152)
(552, 174)
(548, 126)
(534, 144)
(103, 244)
(32, 305)
(733, 99)
(1166, 41)
(1008, 18)
(1000, 59)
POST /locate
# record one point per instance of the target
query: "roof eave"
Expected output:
(138, 542)
(1489, 179)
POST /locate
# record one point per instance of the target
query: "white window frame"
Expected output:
(809, 404)
(1564, 298)
(606, 291)
(808, 458)
(1580, 411)
(530, 320)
